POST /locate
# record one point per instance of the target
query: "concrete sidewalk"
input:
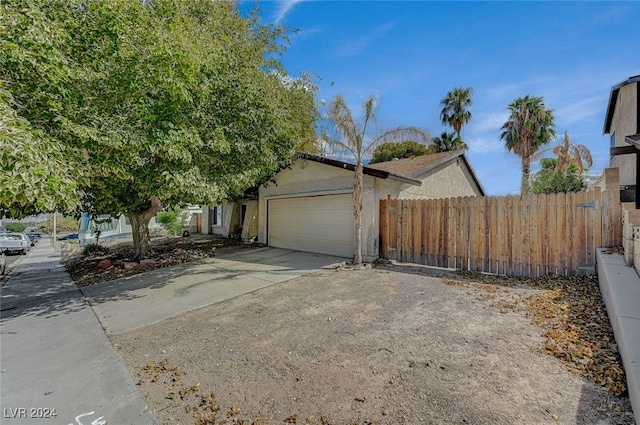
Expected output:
(620, 289)
(58, 367)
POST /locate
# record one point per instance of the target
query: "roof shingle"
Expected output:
(409, 167)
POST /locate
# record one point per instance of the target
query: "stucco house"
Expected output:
(237, 219)
(310, 206)
(622, 123)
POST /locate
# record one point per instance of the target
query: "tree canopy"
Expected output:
(455, 108)
(550, 180)
(530, 125)
(446, 142)
(151, 104)
(388, 151)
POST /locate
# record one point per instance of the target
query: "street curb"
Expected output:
(620, 289)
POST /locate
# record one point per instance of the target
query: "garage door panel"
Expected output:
(322, 224)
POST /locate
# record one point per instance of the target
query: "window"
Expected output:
(217, 215)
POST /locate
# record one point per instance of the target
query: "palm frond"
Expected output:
(344, 124)
(399, 135)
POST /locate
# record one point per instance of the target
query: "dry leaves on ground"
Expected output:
(165, 252)
(574, 317)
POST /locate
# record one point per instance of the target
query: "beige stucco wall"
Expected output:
(624, 124)
(310, 178)
(449, 180)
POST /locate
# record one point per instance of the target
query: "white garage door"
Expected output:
(322, 224)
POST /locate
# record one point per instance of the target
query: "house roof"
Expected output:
(404, 170)
(613, 98)
(417, 165)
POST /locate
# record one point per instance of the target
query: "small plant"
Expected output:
(173, 221)
(15, 227)
(93, 249)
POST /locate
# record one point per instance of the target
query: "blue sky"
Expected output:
(411, 53)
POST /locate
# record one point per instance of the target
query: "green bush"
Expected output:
(15, 227)
(94, 248)
(547, 180)
(173, 220)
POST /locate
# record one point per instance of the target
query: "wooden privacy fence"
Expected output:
(527, 236)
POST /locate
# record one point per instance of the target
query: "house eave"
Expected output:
(352, 167)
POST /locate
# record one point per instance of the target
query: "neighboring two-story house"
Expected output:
(622, 123)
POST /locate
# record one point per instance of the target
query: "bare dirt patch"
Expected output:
(382, 346)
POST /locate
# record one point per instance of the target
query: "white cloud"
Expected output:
(578, 110)
(284, 8)
(359, 44)
(488, 122)
(481, 145)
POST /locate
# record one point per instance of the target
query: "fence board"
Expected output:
(383, 237)
(552, 217)
(430, 233)
(543, 235)
(571, 233)
(503, 229)
(581, 232)
(393, 229)
(460, 246)
(451, 234)
(561, 236)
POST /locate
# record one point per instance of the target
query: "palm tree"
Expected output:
(530, 126)
(569, 154)
(572, 153)
(350, 135)
(454, 108)
(446, 142)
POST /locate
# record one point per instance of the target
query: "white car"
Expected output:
(15, 242)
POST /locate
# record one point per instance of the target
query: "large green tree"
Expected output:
(158, 103)
(455, 108)
(353, 136)
(530, 126)
(388, 151)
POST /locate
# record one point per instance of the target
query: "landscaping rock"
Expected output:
(104, 264)
(127, 265)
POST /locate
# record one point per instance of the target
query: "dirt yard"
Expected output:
(391, 345)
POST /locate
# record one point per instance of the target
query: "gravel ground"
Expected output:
(383, 346)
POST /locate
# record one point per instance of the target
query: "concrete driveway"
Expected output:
(133, 302)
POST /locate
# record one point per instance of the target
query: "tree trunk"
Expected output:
(525, 189)
(140, 226)
(357, 212)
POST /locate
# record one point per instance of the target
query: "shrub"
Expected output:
(94, 248)
(173, 220)
(15, 227)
